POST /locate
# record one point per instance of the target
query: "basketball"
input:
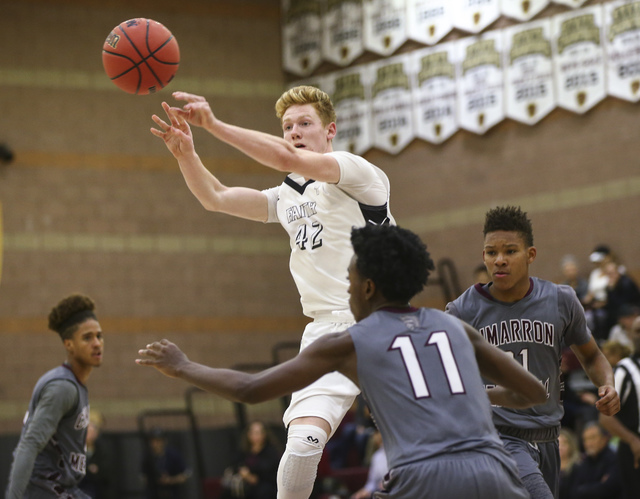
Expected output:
(140, 56)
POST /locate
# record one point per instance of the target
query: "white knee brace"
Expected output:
(299, 464)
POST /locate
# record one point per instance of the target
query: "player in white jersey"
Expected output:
(532, 320)
(325, 195)
(419, 370)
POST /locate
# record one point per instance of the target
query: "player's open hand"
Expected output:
(609, 401)
(196, 110)
(176, 134)
(165, 356)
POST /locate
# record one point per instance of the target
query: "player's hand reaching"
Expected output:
(165, 356)
(176, 134)
(609, 401)
(196, 110)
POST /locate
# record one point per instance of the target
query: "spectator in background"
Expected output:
(615, 351)
(164, 468)
(626, 424)
(569, 457)
(571, 277)
(596, 298)
(621, 332)
(621, 291)
(98, 483)
(378, 468)
(254, 474)
(597, 476)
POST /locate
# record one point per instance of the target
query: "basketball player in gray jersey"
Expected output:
(532, 320)
(418, 369)
(49, 460)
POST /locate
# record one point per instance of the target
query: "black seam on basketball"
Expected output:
(134, 65)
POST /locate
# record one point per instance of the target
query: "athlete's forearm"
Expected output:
(201, 182)
(505, 397)
(267, 149)
(616, 428)
(599, 370)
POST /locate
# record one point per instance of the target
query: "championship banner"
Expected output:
(528, 71)
(428, 21)
(473, 15)
(385, 26)
(434, 92)
(480, 82)
(579, 59)
(570, 3)
(523, 10)
(391, 104)
(350, 93)
(342, 31)
(301, 36)
(622, 46)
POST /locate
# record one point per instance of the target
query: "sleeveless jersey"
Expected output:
(63, 458)
(534, 330)
(318, 217)
(418, 373)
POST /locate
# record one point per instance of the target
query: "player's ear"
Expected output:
(369, 289)
(331, 130)
(68, 345)
(531, 254)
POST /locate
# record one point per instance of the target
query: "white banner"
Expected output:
(434, 92)
(428, 21)
(579, 59)
(523, 10)
(392, 114)
(385, 26)
(570, 3)
(480, 82)
(301, 36)
(350, 93)
(528, 67)
(474, 15)
(342, 31)
(622, 45)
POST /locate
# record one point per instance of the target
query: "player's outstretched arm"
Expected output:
(517, 388)
(600, 373)
(327, 354)
(213, 195)
(269, 150)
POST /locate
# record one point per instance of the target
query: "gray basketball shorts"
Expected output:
(541, 458)
(468, 475)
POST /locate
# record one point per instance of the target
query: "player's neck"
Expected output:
(80, 371)
(512, 294)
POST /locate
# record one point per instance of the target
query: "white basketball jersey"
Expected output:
(318, 217)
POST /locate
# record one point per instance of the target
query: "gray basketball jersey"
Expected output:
(63, 459)
(534, 330)
(418, 373)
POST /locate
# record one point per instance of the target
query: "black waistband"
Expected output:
(549, 434)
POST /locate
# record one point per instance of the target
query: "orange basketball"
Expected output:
(140, 56)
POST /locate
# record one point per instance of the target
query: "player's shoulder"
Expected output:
(564, 292)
